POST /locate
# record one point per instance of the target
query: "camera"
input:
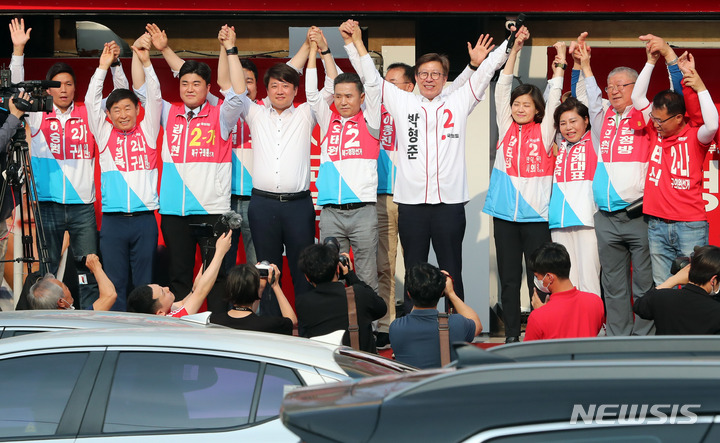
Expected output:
(678, 264)
(39, 101)
(334, 244)
(264, 268)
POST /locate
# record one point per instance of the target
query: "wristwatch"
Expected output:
(232, 51)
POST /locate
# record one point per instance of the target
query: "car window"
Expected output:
(165, 391)
(277, 381)
(35, 391)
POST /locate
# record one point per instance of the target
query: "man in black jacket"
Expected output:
(690, 310)
(324, 309)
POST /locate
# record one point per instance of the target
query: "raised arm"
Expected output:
(19, 37)
(555, 85)
(93, 97)
(319, 106)
(707, 131)
(120, 81)
(206, 280)
(153, 102)
(160, 41)
(285, 307)
(639, 94)
(223, 70)
(300, 58)
(503, 89)
(231, 108)
(459, 305)
(477, 54)
(593, 95)
(106, 288)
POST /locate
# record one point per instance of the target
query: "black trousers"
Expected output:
(444, 226)
(181, 247)
(513, 240)
(275, 226)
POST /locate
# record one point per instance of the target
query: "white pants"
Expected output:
(581, 244)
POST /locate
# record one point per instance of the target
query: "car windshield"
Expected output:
(361, 364)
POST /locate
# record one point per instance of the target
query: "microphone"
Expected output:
(511, 41)
(42, 84)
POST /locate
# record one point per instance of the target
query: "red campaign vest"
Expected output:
(75, 141)
(577, 163)
(673, 187)
(387, 131)
(138, 156)
(524, 152)
(626, 144)
(202, 141)
(355, 139)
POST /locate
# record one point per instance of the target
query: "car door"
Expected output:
(174, 395)
(44, 393)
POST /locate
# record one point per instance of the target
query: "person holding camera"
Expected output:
(63, 160)
(415, 337)
(324, 309)
(244, 288)
(128, 164)
(50, 293)
(159, 300)
(690, 310)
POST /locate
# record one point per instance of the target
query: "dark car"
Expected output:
(579, 401)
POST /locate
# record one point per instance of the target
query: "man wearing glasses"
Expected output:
(431, 185)
(673, 187)
(622, 232)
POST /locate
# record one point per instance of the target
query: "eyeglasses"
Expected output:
(659, 122)
(435, 75)
(618, 88)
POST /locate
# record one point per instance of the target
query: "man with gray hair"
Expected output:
(618, 187)
(50, 293)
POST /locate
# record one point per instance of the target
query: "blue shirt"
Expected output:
(415, 339)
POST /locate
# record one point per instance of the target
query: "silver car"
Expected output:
(164, 384)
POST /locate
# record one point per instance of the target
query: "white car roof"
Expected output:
(81, 319)
(276, 346)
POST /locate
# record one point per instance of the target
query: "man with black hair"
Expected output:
(568, 313)
(415, 337)
(128, 165)
(347, 178)
(158, 300)
(324, 309)
(674, 183)
(63, 160)
(689, 310)
(197, 160)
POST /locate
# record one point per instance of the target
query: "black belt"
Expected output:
(286, 197)
(347, 206)
(129, 214)
(241, 197)
(664, 220)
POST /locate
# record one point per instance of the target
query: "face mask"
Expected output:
(540, 285)
(716, 291)
(69, 306)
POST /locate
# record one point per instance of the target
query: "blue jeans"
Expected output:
(79, 221)
(241, 207)
(669, 241)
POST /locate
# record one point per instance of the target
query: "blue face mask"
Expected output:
(540, 285)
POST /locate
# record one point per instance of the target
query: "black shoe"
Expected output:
(382, 341)
(514, 339)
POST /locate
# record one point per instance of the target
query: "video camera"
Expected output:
(39, 101)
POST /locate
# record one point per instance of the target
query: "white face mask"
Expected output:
(540, 285)
(716, 291)
(69, 306)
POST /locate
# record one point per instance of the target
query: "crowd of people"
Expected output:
(582, 190)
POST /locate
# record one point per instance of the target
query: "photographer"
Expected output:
(324, 309)
(415, 337)
(12, 122)
(690, 310)
(50, 293)
(244, 288)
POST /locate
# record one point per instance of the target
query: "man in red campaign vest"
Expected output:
(347, 178)
(129, 175)
(63, 160)
(673, 187)
(196, 156)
